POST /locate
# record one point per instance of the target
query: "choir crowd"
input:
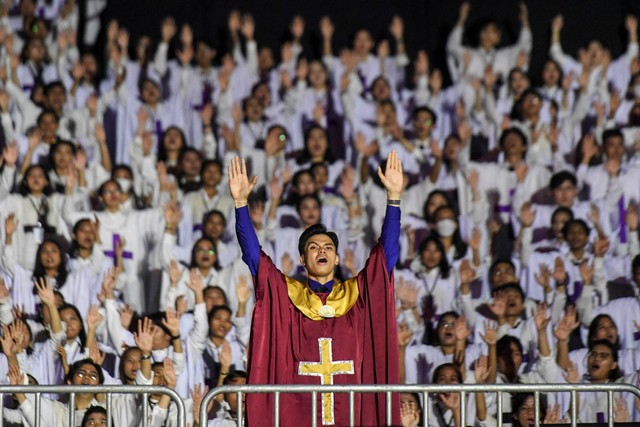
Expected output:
(519, 255)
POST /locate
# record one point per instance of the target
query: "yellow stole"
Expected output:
(343, 296)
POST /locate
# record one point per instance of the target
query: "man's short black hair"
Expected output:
(233, 377)
(558, 179)
(425, 109)
(509, 286)
(54, 84)
(79, 364)
(512, 131)
(90, 411)
(312, 231)
(611, 133)
(576, 221)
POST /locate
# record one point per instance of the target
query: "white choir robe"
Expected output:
(87, 276)
(599, 182)
(623, 311)
(26, 74)
(422, 360)
(193, 344)
(581, 210)
(442, 291)
(26, 238)
(628, 360)
(165, 114)
(142, 231)
(226, 278)
(525, 330)
(201, 204)
(502, 60)
(634, 380)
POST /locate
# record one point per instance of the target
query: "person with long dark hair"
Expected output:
(35, 213)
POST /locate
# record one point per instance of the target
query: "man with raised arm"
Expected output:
(322, 331)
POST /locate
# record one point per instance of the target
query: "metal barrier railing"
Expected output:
(108, 390)
(423, 390)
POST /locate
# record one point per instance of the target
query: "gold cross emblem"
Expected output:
(326, 369)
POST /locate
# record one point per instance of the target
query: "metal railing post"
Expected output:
(72, 410)
(276, 409)
(38, 409)
(574, 408)
(239, 396)
(314, 409)
(463, 409)
(610, 408)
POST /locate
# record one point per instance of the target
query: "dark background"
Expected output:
(427, 22)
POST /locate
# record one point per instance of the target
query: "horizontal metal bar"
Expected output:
(432, 388)
(111, 388)
(412, 388)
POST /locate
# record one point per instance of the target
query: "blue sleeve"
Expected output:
(248, 239)
(390, 236)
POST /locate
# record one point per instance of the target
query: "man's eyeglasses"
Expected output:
(81, 373)
(598, 356)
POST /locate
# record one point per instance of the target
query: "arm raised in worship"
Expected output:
(392, 179)
(240, 187)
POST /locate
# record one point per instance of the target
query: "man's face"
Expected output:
(515, 304)
(49, 127)
(212, 175)
(423, 123)
(56, 98)
(214, 227)
(531, 105)
(513, 145)
(614, 148)
(490, 36)
(503, 273)
(565, 194)
(577, 236)
(320, 256)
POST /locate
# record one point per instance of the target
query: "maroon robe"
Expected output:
(282, 337)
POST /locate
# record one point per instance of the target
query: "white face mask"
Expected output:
(446, 227)
(125, 184)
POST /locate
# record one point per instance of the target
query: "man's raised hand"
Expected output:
(392, 177)
(239, 183)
